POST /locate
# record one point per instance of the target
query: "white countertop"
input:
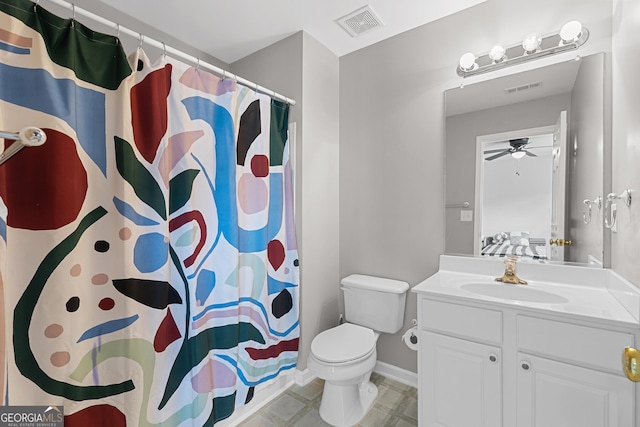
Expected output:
(595, 296)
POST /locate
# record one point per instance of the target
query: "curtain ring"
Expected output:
(73, 15)
(140, 40)
(224, 74)
(35, 6)
(164, 50)
(117, 30)
(255, 89)
(198, 64)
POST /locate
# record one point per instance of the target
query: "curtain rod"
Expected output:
(171, 51)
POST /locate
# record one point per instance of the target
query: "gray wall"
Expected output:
(625, 251)
(586, 150)
(461, 132)
(303, 69)
(391, 135)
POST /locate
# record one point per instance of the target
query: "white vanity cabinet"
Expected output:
(462, 382)
(490, 365)
(570, 375)
(460, 365)
(551, 393)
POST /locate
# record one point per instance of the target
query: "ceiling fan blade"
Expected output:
(497, 150)
(530, 154)
(495, 156)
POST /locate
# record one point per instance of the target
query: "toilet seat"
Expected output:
(344, 343)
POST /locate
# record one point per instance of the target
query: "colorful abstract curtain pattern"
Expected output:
(149, 266)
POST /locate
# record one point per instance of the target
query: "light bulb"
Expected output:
(497, 53)
(531, 42)
(468, 62)
(571, 32)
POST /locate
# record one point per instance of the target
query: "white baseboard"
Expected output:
(302, 378)
(397, 374)
(264, 393)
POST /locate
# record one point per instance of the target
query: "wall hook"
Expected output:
(626, 196)
(586, 216)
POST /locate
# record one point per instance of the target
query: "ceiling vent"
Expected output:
(360, 21)
(520, 88)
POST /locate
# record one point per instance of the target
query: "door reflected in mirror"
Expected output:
(523, 153)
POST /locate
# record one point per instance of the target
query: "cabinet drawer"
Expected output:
(583, 345)
(461, 320)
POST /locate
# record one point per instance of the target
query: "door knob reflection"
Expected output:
(561, 242)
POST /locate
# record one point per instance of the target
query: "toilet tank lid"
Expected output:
(375, 283)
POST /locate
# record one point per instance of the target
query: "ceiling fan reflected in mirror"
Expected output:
(517, 149)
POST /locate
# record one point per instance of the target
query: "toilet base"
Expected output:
(345, 403)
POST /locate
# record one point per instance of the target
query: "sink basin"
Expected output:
(513, 292)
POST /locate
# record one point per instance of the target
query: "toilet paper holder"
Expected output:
(410, 337)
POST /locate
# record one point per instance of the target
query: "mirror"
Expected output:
(524, 164)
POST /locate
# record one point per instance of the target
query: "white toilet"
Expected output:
(345, 356)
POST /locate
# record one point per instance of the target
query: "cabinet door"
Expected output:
(461, 383)
(555, 394)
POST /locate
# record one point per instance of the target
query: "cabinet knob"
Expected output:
(631, 363)
(493, 357)
(526, 366)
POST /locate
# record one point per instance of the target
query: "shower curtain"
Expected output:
(148, 267)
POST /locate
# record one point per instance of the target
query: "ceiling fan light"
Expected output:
(468, 62)
(518, 154)
(571, 32)
(531, 42)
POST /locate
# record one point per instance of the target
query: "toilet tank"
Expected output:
(374, 302)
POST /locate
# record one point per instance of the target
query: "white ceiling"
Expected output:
(232, 29)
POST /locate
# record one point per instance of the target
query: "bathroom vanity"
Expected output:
(545, 354)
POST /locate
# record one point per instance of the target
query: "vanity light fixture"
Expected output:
(571, 36)
(497, 53)
(531, 43)
(571, 32)
(468, 62)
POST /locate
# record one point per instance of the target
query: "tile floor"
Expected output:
(395, 406)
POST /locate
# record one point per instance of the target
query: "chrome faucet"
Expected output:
(510, 272)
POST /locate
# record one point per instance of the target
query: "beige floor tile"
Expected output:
(311, 419)
(285, 407)
(388, 397)
(411, 410)
(258, 421)
(404, 423)
(310, 391)
(378, 416)
(396, 385)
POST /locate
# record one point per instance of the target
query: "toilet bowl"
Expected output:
(344, 358)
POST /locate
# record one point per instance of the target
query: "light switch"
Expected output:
(466, 215)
